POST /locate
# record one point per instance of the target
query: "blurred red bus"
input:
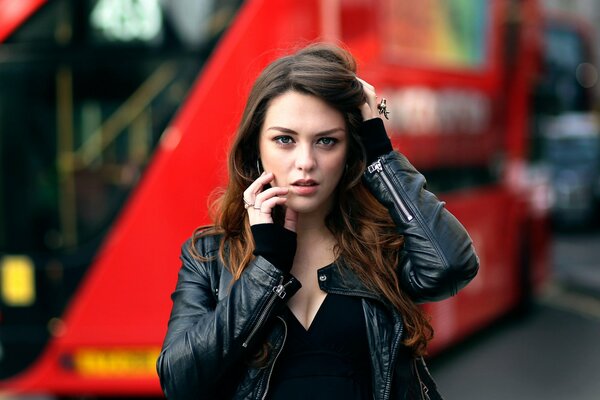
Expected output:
(115, 118)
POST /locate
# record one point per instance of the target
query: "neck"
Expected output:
(315, 243)
(311, 228)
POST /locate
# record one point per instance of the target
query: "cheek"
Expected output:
(276, 169)
(338, 164)
(270, 159)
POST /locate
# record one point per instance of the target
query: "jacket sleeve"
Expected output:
(438, 258)
(207, 338)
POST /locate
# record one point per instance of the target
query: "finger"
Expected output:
(266, 208)
(367, 112)
(366, 84)
(369, 109)
(256, 186)
(267, 194)
(369, 90)
(291, 217)
(264, 214)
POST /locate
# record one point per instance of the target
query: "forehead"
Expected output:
(302, 113)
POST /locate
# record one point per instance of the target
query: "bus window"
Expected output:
(561, 87)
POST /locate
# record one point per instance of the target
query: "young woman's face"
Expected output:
(304, 143)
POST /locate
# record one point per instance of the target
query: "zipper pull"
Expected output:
(279, 290)
(375, 166)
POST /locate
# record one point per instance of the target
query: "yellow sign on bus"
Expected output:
(116, 362)
(18, 281)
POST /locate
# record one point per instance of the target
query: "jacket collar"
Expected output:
(334, 279)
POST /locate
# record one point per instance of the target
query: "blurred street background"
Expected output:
(549, 352)
(552, 350)
(116, 115)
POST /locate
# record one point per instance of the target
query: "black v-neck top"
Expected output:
(330, 360)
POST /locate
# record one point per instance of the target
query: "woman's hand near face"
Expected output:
(369, 109)
(260, 204)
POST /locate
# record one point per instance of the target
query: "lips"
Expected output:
(304, 182)
(305, 187)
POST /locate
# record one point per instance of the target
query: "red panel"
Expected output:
(14, 13)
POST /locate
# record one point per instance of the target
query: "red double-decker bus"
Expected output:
(115, 117)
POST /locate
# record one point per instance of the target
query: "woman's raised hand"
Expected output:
(369, 109)
(260, 204)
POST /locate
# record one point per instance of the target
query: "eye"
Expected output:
(283, 139)
(327, 141)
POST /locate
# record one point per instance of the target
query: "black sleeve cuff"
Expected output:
(375, 139)
(276, 244)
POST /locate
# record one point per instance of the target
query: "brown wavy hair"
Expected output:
(367, 240)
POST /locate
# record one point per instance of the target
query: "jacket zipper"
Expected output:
(377, 167)
(275, 359)
(278, 292)
(388, 382)
(424, 389)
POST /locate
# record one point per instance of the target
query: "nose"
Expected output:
(305, 158)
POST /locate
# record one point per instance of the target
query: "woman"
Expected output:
(324, 241)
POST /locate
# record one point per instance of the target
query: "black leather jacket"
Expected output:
(216, 324)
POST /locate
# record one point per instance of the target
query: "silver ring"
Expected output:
(255, 207)
(247, 205)
(382, 108)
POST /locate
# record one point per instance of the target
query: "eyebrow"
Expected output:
(293, 132)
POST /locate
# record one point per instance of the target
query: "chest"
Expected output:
(308, 300)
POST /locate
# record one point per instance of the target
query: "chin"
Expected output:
(301, 208)
(305, 206)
